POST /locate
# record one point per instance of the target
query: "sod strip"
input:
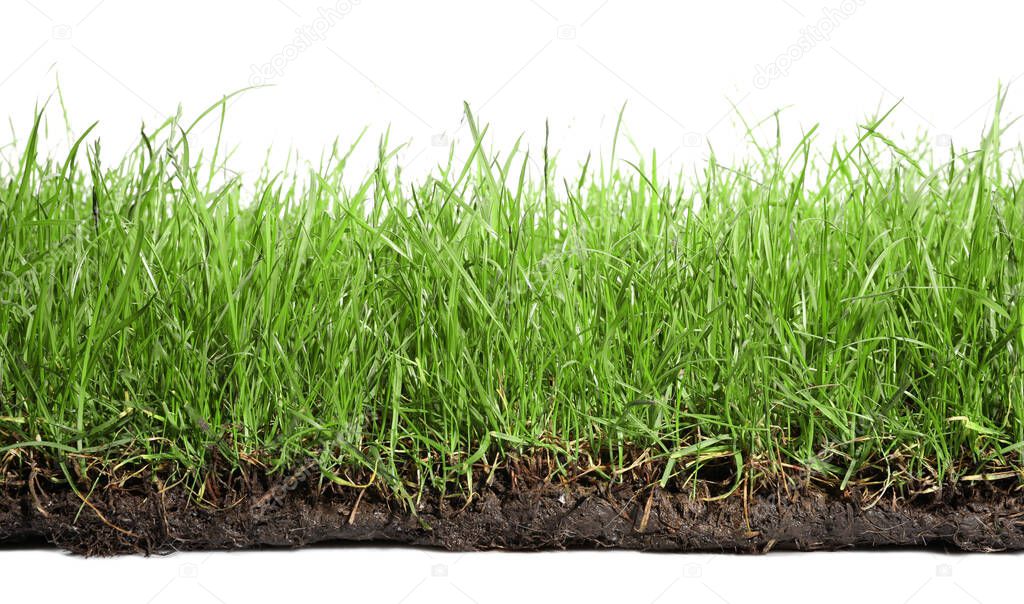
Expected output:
(806, 350)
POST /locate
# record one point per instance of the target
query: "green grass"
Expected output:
(854, 315)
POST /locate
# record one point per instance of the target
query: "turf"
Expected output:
(853, 314)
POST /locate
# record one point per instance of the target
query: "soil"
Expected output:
(513, 509)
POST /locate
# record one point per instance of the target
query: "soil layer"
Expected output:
(506, 512)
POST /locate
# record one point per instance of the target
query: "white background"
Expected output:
(690, 72)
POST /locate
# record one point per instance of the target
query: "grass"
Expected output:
(854, 315)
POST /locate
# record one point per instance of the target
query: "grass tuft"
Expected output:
(855, 316)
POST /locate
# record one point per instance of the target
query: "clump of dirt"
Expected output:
(509, 510)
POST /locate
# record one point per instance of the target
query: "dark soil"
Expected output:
(511, 511)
